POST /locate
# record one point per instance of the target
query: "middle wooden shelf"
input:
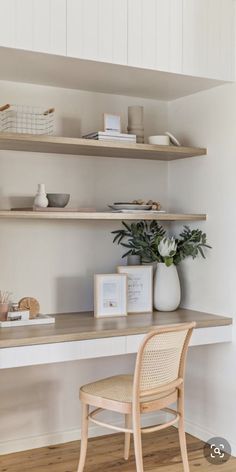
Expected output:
(99, 215)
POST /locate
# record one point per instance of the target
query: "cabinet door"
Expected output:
(49, 26)
(7, 29)
(35, 25)
(155, 34)
(208, 38)
(24, 24)
(97, 30)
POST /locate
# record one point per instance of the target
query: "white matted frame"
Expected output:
(140, 288)
(110, 295)
(112, 122)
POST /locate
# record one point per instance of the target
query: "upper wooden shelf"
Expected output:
(73, 215)
(86, 147)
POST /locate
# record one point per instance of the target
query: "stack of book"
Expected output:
(111, 136)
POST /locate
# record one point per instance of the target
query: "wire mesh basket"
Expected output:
(26, 119)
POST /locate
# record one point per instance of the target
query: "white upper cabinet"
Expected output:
(7, 28)
(191, 37)
(97, 30)
(36, 25)
(49, 32)
(155, 34)
(208, 38)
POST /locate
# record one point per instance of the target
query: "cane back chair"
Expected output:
(157, 383)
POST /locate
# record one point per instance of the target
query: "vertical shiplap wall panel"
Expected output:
(163, 34)
(176, 36)
(58, 27)
(227, 39)
(135, 32)
(24, 24)
(120, 31)
(90, 33)
(97, 29)
(195, 37)
(75, 28)
(7, 21)
(35, 25)
(105, 30)
(82, 28)
(149, 33)
(214, 37)
(41, 25)
(208, 42)
(155, 34)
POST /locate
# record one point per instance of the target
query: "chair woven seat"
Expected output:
(118, 388)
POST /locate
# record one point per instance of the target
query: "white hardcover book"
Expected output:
(98, 134)
(118, 140)
(41, 319)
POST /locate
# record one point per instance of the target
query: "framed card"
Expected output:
(140, 288)
(110, 295)
(112, 123)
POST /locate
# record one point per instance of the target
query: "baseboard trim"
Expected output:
(61, 437)
(34, 442)
(204, 435)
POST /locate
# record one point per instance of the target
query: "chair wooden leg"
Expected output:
(127, 436)
(182, 435)
(137, 441)
(84, 437)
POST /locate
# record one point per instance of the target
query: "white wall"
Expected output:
(208, 185)
(55, 261)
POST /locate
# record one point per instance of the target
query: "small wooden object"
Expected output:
(31, 304)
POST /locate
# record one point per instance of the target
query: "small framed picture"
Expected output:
(112, 123)
(140, 288)
(110, 295)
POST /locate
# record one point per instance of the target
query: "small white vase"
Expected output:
(41, 200)
(167, 293)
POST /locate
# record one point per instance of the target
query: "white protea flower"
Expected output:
(167, 247)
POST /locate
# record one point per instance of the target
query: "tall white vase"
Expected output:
(167, 293)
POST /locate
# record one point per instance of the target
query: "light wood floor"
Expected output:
(105, 454)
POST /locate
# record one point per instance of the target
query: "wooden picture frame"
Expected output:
(110, 295)
(140, 288)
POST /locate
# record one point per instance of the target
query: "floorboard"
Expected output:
(105, 454)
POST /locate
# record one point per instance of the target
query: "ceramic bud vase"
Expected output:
(167, 291)
(41, 200)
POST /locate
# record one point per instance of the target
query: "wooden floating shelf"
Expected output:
(37, 215)
(86, 147)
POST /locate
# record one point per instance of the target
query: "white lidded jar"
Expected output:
(41, 200)
(167, 292)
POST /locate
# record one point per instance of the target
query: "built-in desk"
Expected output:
(81, 336)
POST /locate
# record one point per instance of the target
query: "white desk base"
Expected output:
(94, 348)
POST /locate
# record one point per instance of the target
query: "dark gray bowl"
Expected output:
(59, 200)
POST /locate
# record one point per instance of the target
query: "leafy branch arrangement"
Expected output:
(141, 239)
(149, 241)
